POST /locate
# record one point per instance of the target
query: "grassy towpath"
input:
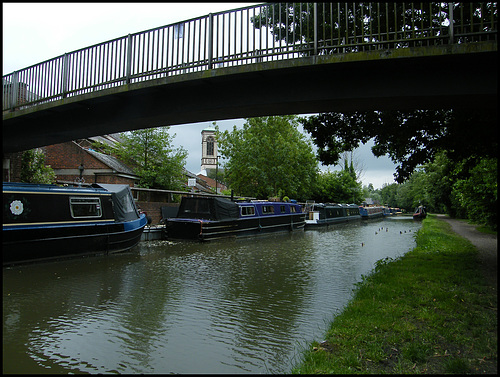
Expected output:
(431, 311)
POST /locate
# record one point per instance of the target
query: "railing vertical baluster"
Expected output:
(100, 69)
(129, 59)
(229, 37)
(65, 76)
(42, 80)
(162, 49)
(92, 67)
(183, 45)
(176, 41)
(74, 73)
(167, 49)
(187, 40)
(210, 40)
(199, 42)
(14, 89)
(248, 35)
(451, 26)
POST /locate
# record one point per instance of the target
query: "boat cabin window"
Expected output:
(293, 209)
(282, 208)
(267, 210)
(85, 207)
(247, 211)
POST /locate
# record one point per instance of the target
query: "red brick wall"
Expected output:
(114, 179)
(70, 156)
(153, 209)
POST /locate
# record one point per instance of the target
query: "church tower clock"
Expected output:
(208, 149)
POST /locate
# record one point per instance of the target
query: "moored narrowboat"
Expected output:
(419, 213)
(320, 214)
(48, 221)
(207, 218)
(372, 212)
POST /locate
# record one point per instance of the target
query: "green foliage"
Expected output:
(34, 170)
(268, 157)
(153, 158)
(337, 187)
(477, 194)
(370, 192)
(294, 22)
(467, 189)
(388, 194)
(409, 138)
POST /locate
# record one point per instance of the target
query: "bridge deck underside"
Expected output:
(292, 87)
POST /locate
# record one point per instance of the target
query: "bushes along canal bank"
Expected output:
(430, 311)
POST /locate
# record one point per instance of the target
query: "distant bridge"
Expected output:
(270, 59)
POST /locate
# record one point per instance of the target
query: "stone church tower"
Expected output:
(208, 149)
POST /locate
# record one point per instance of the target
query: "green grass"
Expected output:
(430, 311)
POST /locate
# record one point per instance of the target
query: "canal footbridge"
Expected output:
(269, 59)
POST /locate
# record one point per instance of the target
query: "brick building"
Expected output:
(70, 159)
(211, 183)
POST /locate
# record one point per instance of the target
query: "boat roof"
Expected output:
(39, 187)
(334, 205)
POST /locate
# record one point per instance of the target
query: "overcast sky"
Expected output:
(34, 32)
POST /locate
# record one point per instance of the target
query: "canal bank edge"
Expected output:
(429, 311)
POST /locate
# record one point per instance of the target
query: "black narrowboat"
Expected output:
(48, 221)
(207, 218)
(320, 214)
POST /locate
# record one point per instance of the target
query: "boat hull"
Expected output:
(204, 230)
(419, 213)
(40, 243)
(372, 216)
(330, 221)
(321, 214)
(371, 212)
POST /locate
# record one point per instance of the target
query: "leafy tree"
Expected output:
(337, 187)
(350, 24)
(410, 138)
(476, 196)
(153, 158)
(438, 181)
(388, 194)
(344, 23)
(268, 157)
(370, 192)
(467, 189)
(33, 168)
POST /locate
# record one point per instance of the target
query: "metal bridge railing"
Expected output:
(248, 35)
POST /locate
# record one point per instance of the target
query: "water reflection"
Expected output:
(228, 306)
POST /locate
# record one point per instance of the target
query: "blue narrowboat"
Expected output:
(320, 214)
(48, 221)
(371, 212)
(208, 218)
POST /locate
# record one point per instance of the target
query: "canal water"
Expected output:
(229, 306)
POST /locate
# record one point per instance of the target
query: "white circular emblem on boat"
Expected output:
(16, 207)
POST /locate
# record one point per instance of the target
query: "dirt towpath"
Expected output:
(485, 243)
